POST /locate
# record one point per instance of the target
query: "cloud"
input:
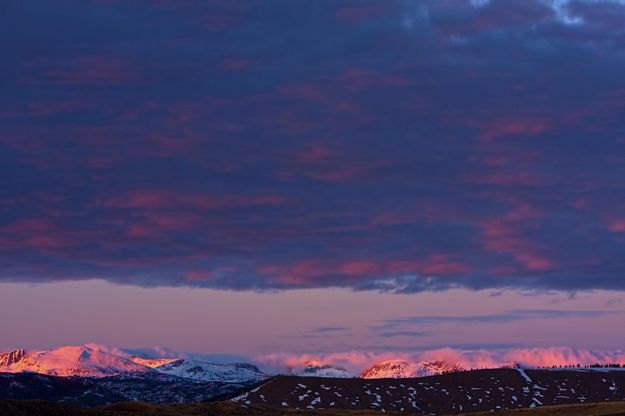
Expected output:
(357, 361)
(499, 318)
(563, 356)
(411, 148)
(562, 9)
(479, 3)
(327, 329)
(407, 334)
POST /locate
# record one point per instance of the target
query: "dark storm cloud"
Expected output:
(400, 146)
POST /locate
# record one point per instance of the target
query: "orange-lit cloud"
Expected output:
(357, 361)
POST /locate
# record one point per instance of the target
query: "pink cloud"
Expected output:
(497, 129)
(356, 79)
(428, 211)
(89, 70)
(51, 108)
(357, 361)
(301, 272)
(339, 174)
(50, 234)
(155, 223)
(502, 236)
(319, 94)
(161, 214)
(309, 272)
(35, 233)
(432, 265)
(547, 357)
(353, 361)
(359, 268)
(618, 226)
(237, 64)
(316, 153)
(330, 164)
(158, 199)
(200, 275)
(507, 178)
(533, 261)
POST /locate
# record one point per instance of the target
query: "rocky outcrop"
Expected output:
(12, 357)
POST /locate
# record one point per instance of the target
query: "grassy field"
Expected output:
(40, 408)
(591, 409)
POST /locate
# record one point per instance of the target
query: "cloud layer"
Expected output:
(399, 146)
(357, 361)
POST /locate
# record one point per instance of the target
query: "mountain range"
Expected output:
(69, 361)
(225, 373)
(95, 361)
(327, 371)
(93, 375)
(98, 361)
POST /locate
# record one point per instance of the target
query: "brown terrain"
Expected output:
(470, 391)
(40, 408)
(505, 391)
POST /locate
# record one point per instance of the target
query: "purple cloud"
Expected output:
(400, 147)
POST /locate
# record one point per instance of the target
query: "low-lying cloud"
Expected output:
(357, 361)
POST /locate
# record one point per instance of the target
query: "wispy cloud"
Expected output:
(328, 329)
(498, 318)
(400, 334)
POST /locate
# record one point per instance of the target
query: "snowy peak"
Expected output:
(198, 370)
(440, 367)
(69, 361)
(98, 361)
(388, 369)
(10, 358)
(152, 363)
(328, 371)
(404, 369)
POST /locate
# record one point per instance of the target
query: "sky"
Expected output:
(313, 177)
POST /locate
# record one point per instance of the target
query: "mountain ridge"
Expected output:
(404, 369)
(69, 361)
(326, 370)
(95, 361)
(203, 371)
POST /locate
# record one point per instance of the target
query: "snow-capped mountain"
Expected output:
(151, 362)
(93, 375)
(94, 391)
(198, 370)
(96, 361)
(7, 359)
(324, 371)
(403, 369)
(68, 361)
